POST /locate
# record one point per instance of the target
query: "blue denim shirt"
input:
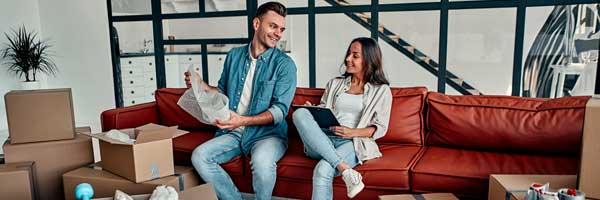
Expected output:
(274, 87)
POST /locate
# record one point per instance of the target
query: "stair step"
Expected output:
(409, 48)
(426, 59)
(474, 91)
(363, 16)
(458, 81)
(343, 3)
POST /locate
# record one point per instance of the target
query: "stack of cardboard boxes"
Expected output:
(47, 157)
(136, 168)
(42, 134)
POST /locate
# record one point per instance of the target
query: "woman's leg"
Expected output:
(324, 173)
(315, 140)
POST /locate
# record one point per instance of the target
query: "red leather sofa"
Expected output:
(435, 142)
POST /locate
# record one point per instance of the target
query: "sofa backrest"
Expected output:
(507, 124)
(406, 120)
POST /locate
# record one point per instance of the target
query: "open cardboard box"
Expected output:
(150, 157)
(205, 192)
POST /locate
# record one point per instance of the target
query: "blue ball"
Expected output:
(84, 191)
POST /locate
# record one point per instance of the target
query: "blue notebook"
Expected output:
(324, 116)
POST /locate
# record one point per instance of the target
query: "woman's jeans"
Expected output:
(324, 145)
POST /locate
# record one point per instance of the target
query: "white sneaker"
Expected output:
(353, 181)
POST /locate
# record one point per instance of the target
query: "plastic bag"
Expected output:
(206, 107)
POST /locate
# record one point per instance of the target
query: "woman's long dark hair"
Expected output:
(371, 61)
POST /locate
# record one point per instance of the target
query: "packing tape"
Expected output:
(418, 197)
(181, 181)
(154, 171)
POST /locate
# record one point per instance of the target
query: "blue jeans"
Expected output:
(265, 153)
(324, 145)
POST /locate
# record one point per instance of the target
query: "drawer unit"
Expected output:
(133, 91)
(130, 101)
(131, 71)
(133, 81)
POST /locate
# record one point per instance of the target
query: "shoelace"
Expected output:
(355, 178)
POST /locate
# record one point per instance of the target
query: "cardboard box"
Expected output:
(17, 181)
(39, 115)
(432, 196)
(589, 178)
(502, 185)
(105, 183)
(150, 157)
(52, 159)
(204, 192)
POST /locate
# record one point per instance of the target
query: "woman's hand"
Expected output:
(307, 103)
(343, 131)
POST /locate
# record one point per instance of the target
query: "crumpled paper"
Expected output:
(120, 195)
(206, 107)
(119, 136)
(164, 193)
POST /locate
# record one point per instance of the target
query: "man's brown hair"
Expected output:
(271, 6)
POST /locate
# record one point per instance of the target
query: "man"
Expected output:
(260, 82)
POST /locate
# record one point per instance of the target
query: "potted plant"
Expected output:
(26, 56)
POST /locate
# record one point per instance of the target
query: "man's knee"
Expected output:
(201, 155)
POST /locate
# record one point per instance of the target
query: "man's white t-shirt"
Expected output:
(246, 92)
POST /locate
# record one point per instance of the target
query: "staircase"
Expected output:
(409, 50)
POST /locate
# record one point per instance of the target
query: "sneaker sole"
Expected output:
(360, 187)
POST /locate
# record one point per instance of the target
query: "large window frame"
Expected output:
(443, 6)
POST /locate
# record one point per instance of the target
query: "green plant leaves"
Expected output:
(24, 53)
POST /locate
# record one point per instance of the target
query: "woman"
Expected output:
(361, 100)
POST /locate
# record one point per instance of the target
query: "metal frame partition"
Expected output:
(311, 11)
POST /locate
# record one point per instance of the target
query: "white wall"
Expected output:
(79, 32)
(13, 14)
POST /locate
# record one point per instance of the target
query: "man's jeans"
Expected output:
(325, 145)
(265, 153)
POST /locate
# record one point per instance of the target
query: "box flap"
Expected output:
(153, 132)
(145, 135)
(102, 136)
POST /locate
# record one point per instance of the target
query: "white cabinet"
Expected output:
(215, 67)
(138, 76)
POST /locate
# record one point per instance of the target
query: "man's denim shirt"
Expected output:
(274, 87)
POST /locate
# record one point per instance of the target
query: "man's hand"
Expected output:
(342, 131)
(188, 84)
(234, 121)
(203, 85)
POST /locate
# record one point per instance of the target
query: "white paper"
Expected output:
(205, 106)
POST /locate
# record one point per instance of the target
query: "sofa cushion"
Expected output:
(184, 145)
(506, 124)
(387, 172)
(406, 119)
(466, 172)
(170, 114)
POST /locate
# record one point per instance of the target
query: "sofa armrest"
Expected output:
(129, 117)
